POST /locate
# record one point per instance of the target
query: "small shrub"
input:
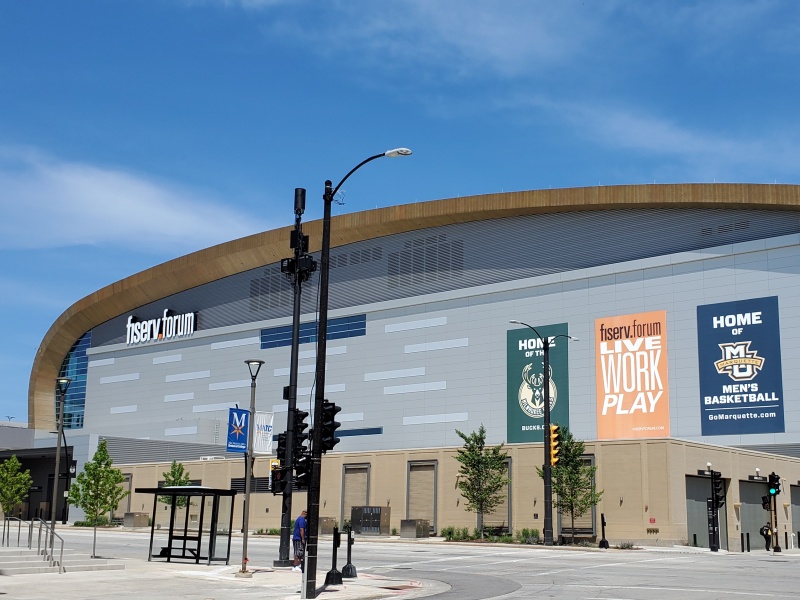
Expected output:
(448, 533)
(101, 521)
(394, 530)
(274, 531)
(625, 546)
(528, 536)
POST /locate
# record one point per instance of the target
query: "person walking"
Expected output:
(299, 540)
(766, 531)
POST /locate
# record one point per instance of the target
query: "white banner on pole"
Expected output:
(262, 436)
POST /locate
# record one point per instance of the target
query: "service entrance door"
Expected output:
(698, 491)
(355, 489)
(421, 501)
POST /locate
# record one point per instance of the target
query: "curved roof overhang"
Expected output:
(269, 247)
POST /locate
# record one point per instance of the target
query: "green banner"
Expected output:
(525, 393)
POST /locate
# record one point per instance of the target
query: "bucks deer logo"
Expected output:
(531, 392)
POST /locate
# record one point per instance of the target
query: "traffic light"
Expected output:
(302, 469)
(774, 484)
(717, 489)
(300, 436)
(555, 444)
(280, 450)
(279, 474)
(278, 480)
(329, 425)
(765, 502)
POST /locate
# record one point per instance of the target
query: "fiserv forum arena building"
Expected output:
(684, 299)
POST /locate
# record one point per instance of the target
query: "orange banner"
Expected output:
(632, 387)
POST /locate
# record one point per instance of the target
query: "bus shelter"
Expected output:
(200, 522)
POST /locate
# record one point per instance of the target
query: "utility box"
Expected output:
(370, 520)
(137, 519)
(415, 528)
(326, 525)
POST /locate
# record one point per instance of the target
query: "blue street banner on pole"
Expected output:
(238, 422)
(739, 354)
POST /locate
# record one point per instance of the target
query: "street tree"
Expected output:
(97, 489)
(483, 476)
(176, 476)
(573, 480)
(14, 484)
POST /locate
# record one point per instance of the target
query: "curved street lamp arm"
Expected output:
(353, 170)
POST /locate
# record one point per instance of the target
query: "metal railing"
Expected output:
(44, 550)
(5, 540)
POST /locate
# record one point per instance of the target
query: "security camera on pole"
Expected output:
(298, 269)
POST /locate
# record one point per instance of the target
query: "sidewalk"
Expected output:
(171, 581)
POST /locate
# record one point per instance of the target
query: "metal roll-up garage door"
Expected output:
(355, 489)
(698, 490)
(421, 502)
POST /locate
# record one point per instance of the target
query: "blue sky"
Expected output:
(135, 132)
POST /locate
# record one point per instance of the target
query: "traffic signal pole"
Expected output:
(298, 270)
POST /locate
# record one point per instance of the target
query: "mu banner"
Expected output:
(739, 354)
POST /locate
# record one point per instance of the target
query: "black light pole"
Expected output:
(298, 270)
(62, 384)
(310, 581)
(254, 366)
(547, 468)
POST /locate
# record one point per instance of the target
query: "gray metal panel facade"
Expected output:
(434, 356)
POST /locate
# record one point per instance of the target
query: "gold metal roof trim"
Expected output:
(269, 247)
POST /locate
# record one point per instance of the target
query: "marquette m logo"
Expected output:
(739, 362)
(167, 327)
(238, 424)
(531, 392)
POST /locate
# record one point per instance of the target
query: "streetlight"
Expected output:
(547, 468)
(62, 384)
(255, 367)
(310, 587)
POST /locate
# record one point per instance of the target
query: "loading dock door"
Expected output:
(794, 494)
(355, 489)
(421, 502)
(698, 490)
(751, 516)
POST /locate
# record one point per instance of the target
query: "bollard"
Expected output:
(604, 541)
(334, 577)
(742, 543)
(748, 541)
(349, 569)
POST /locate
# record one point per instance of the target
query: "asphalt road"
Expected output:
(476, 572)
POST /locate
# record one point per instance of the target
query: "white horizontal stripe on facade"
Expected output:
(228, 385)
(446, 418)
(443, 345)
(438, 321)
(415, 372)
(160, 360)
(187, 376)
(101, 362)
(415, 387)
(198, 408)
(177, 397)
(329, 389)
(233, 343)
(300, 369)
(350, 417)
(120, 378)
(131, 408)
(328, 352)
(180, 431)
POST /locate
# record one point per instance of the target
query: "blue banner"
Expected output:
(739, 354)
(238, 422)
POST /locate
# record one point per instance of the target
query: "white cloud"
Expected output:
(50, 203)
